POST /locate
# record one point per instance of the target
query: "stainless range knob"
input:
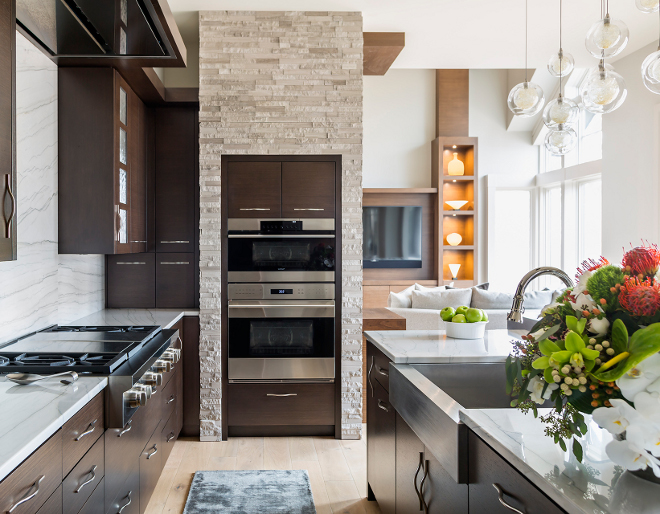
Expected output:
(152, 379)
(136, 398)
(171, 356)
(162, 366)
(144, 388)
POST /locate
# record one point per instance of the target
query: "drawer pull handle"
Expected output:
(500, 497)
(309, 209)
(90, 429)
(138, 241)
(121, 509)
(91, 472)
(282, 395)
(373, 360)
(170, 436)
(175, 263)
(12, 213)
(381, 370)
(174, 242)
(155, 451)
(127, 428)
(125, 263)
(170, 399)
(28, 496)
(421, 487)
(381, 405)
(419, 468)
(254, 209)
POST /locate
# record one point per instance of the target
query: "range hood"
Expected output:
(97, 29)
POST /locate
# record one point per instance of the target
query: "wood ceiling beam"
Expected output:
(380, 51)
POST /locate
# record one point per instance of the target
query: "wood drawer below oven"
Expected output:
(281, 404)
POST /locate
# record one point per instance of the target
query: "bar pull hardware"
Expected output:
(381, 405)
(28, 496)
(170, 399)
(281, 395)
(91, 472)
(170, 436)
(500, 497)
(174, 242)
(421, 488)
(281, 236)
(90, 429)
(127, 428)
(309, 209)
(419, 468)
(254, 209)
(175, 263)
(131, 262)
(373, 360)
(10, 218)
(381, 370)
(126, 504)
(155, 451)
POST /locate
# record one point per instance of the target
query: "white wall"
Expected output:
(399, 125)
(630, 164)
(42, 288)
(500, 152)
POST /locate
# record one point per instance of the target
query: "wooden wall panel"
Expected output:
(452, 102)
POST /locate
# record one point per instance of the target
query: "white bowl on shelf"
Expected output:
(466, 330)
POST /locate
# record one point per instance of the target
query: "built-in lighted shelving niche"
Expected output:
(462, 225)
(456, 256)
(465, 155)
(459, 190)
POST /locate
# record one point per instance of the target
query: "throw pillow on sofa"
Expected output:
(419, 287)
(491, 300)
(402, 300)
(438, 300)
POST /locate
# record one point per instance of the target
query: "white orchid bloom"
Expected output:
(538, 333)
(582, 283)
(654, 387)
(640, 377)
(629, 455)
(615, 419)
(599, 327)
(549, 307)
(648, 405)
(535, 388)
(583, 302)
(646, 435)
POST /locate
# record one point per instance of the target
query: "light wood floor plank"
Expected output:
(221, 463)
(344, 497)
(317, 483)
(302, 448)
(276, 453)
(166, 480)
(332, 460)
(194, 459)
(355, 455)
(224, 448)
(250, 453)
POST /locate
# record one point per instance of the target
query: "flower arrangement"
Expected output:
(595, 351)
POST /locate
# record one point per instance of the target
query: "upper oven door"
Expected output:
(281, 257)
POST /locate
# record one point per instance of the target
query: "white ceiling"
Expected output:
(468, 33)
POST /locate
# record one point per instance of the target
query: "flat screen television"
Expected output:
(392, 236)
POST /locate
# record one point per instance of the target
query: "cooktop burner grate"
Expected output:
(44, 360)
(3, 360)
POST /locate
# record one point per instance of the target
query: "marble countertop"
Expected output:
(434, 347)
(164, 318)
(595, 486)
(33, 413)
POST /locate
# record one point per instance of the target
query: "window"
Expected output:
(589, 146)
(589, 219)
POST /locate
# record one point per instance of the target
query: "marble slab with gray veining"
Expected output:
(164, 318)
(33, 413)
(595, 486)
(434, 347)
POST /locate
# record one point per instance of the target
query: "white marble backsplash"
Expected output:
(42, 288)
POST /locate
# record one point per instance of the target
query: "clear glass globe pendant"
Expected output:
(526, 99)
(562, 111)
(561, 64)
(647, 6)
(607, 38)
(561, 140)
(651, 72)
(603, 90)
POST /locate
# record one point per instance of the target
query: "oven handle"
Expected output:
(281, 236)
(281, 311)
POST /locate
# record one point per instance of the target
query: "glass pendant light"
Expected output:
(603, 90)
(607, 37)
(651, 70)
(561, 64)
(647, 6)
(526, 99)
(561, 140)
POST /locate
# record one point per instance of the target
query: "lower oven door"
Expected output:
(281, 341)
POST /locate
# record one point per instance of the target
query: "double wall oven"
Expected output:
(281, 300)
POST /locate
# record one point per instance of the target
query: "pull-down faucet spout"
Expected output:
(517, 308)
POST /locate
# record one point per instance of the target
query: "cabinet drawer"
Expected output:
(168, 438)
(254, 189)
(308, 189)
(487, 468)
(131, 281)
(150, 466)
(167, 398)
(84, 478)
(96, 502)
(36, 478)
(378, 366)
(53, 504)
(81, 432)
(381, 456)
(175, 280)
(122, 463)
(127, 500)
(281, 404)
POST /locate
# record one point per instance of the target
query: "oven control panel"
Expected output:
(296, 291)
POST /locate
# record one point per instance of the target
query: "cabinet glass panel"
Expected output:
(123, 146)
(123, 226)
(123, 106)
(123, 187)
(124, 11)
(122, 41)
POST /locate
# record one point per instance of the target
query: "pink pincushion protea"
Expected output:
(591, 265)
(640, 297)
(642, 260)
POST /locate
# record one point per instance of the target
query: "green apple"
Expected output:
(484, 316)
(447, 313)
(473, 315)
(462, 310)
(459, 318)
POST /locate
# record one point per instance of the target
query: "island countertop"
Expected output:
(164, 318)
(434, 347)
(33, 413)
(594, 486)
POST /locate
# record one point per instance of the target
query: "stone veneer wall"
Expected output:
(280, 83)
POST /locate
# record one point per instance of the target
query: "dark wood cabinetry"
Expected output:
(53, 504)
(410, 467)
(102, 168)
(84, 477)
(254, 189)
(151, 464)
(308, 189)
(381, 447)
(131, 281)
(175, 280)
(441, 492)
(81, 431)
(190, 368)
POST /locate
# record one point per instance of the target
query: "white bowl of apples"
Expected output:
(464, 322)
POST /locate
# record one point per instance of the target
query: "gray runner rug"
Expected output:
(250, 492)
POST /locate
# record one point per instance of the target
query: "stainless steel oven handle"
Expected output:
(283, 311)
(254, 209)
(281, 395)
(281, 236)
(310, 209)
(174, 242)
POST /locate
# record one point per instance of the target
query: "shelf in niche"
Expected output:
(460, 213)
(457, 178)
(459, 247)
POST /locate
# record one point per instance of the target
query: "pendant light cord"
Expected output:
(561, 53)
(526, 24)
